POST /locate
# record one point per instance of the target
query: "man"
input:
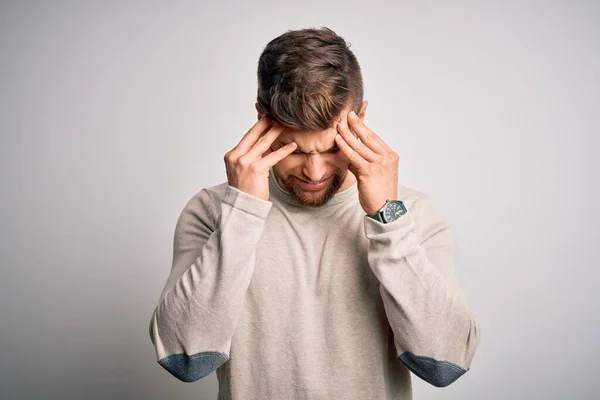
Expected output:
(312, 273)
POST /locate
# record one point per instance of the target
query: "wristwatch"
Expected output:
(391, 211)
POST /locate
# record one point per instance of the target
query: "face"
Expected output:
(317, 169)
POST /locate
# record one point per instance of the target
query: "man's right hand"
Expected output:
(248, 163)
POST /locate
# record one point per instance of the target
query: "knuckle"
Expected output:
(243, 162)
(390, 158)
(254, 167)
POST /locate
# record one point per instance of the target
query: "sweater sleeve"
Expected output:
(213, 261)
(435, 332)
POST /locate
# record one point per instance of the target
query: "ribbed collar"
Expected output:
(278, 191)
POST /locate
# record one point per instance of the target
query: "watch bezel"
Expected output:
(386, 205)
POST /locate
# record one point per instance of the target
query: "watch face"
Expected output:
(393, 210)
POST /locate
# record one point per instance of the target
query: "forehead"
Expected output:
(305, 135)
(308, 139)
(308, 135)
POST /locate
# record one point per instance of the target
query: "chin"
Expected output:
(312, 198)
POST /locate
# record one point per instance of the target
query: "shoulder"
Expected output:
(209, 201)
(409, 195)
(213, 194)
(426, 211)
(204, 205)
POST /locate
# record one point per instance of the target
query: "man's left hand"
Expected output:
(372, 161)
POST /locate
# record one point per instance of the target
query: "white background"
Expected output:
(113, 114)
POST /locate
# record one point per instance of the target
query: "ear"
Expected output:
(258, 109)
(363, 110)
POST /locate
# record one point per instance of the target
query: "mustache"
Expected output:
(290, 178)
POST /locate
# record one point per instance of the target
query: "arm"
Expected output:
(435, 332)
(213, 262)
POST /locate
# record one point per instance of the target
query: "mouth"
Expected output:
(313, 185)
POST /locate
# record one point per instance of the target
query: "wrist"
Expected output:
(389, 212)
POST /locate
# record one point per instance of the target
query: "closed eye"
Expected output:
(333, 151)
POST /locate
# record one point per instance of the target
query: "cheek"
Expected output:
(295, 162)
(340, 161)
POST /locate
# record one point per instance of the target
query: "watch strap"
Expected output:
(377, 216)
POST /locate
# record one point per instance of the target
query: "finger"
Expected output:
(266, 153)
(251, 136)
(265, 141)
(381, 142)
(367, 136)
(360, 148)
(355, 159)
(277, 155)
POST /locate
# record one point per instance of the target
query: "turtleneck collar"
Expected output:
(279, 192)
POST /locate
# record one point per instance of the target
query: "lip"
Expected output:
(308, 186)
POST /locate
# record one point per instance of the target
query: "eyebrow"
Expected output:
(334, 147)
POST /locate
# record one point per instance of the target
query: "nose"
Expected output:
(315, 168)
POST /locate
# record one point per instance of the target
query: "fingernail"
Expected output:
(352, 114)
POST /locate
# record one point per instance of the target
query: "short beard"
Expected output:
(291, 186)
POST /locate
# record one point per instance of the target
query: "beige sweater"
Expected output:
(290, 302)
